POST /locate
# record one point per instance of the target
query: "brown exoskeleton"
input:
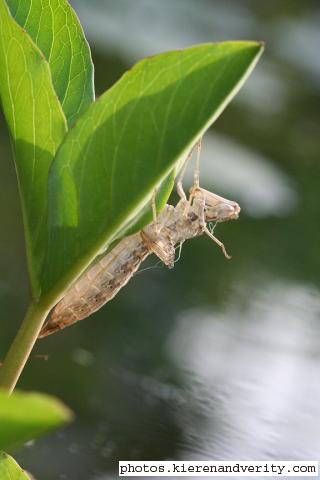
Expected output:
(103, 280)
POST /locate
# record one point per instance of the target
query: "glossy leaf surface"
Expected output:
(37, 125)
(56, 30)
(10, 470)
(25, 416)
(127, 143)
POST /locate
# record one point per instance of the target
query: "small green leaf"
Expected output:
(24, 416)
(37, 125)
(128, 142)
(55, 28)
(10, 470)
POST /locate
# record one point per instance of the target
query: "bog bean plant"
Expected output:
(87, 167)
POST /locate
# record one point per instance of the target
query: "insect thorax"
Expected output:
(174, 225)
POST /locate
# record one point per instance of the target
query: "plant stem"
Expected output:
(21, 347)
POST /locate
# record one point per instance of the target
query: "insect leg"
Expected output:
(196, 176)
(180, 190)
(212, 226)
(154, 209)
(196, 183)
(218, 242)
(154, 205)
(157, 220)
(198, 207)
(179, 254)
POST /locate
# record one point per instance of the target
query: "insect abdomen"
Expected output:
(98, 285)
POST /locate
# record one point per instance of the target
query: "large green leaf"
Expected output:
(55, 28)
(37, 125)
(25, 416)
(127, 142)
(10, 470)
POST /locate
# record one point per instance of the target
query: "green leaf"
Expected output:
(55, 28)
(37, 125)
(24, 416)
(10, 470)
(128, 142)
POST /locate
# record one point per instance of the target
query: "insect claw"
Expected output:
(218, 242)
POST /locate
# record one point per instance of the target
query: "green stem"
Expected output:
(21, 346)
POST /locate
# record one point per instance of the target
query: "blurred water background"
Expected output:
(215, 359)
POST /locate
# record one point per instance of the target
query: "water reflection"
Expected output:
(251, 379)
